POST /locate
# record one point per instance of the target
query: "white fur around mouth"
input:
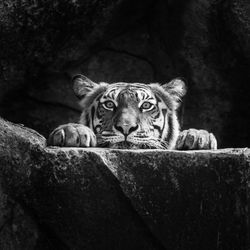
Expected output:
(120, 138)
(116, 138)
(108, 133)
(131, 142)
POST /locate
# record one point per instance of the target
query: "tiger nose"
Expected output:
(126, 129)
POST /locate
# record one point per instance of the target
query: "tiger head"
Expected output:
(131, 115)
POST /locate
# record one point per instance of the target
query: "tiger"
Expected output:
(125, 115)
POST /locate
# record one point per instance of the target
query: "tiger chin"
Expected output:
(130, 116)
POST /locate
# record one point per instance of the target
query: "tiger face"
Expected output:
(130, 115)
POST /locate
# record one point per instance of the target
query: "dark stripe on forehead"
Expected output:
(111, 93)
(126, 84)
(136, 95)
(131, 86)
(143, 92)
(143, 95)
(136, 91)
(150, 98)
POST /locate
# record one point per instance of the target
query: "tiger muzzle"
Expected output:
(126, 122)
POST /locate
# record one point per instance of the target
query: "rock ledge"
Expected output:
(75, 198)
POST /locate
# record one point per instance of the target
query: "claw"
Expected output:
(181, 140)
(203, 139)
(213, 141)
(196, 139)
(57, 138)
(201, 142)
(93, 140)
(191, 140)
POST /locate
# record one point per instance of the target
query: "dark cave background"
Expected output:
(207, 43)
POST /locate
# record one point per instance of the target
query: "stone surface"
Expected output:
(76, 198)
(18, 228)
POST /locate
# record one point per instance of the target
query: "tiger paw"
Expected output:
(72, 135)
(196, 139)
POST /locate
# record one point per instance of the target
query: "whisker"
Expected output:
(135, 142)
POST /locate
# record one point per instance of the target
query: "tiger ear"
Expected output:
(176, 88)
(82, 85)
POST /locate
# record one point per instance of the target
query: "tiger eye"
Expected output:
(146, 105)
(108, 105)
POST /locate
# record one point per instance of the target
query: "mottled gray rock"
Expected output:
(18, 229)
(76, 198)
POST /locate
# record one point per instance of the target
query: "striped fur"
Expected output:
(131, 115)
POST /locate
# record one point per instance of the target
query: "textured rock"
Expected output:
(18, 229)
(76, 198)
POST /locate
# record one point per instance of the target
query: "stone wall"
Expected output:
(43, 43)
(76, 198)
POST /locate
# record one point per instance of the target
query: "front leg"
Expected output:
(72, 135)
(196, 139)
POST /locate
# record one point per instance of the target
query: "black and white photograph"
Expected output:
(124, 124)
